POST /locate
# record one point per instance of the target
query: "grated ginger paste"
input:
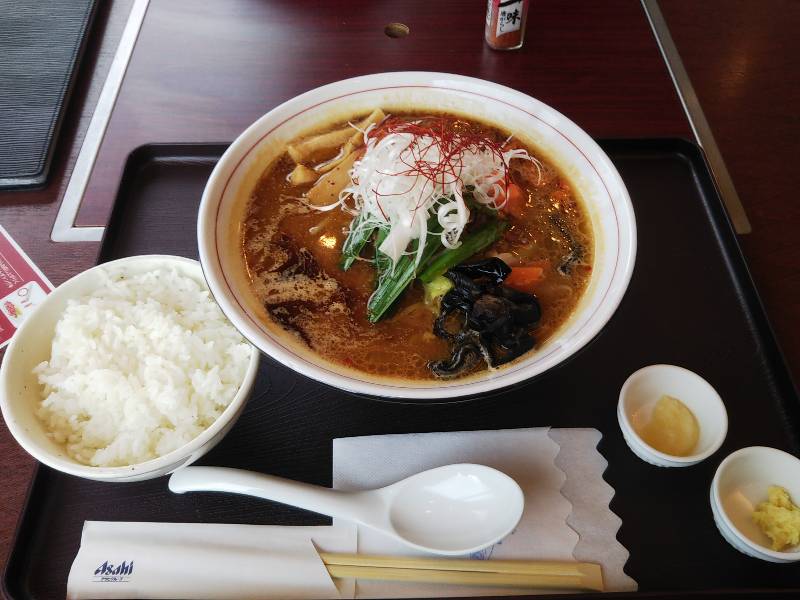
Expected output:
(779, 518)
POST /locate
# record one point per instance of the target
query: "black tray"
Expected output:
(691, 302)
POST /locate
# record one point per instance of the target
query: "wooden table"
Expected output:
(201, 72)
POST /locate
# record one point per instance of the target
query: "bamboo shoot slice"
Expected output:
(300, 152)
(355, 141)
(376, 116)
(302, 175)
(326, 190)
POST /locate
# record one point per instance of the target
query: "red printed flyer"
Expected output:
(22, 287)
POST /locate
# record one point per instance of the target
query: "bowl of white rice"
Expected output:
(126, 372)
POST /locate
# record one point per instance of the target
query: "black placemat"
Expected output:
(690, 302)
(41, 42)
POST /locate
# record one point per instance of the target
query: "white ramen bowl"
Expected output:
(591, 173)
(20, 392)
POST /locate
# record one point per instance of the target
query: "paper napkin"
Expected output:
(549, 529)
(192, 560)
(590, 496)
(526, 455)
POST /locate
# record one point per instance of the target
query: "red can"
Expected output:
(505, 23)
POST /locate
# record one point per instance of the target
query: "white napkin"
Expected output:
(191, 560)
(526, 455)
(590, 496)
(549, 528)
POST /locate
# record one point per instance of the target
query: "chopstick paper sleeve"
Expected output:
(188, 560)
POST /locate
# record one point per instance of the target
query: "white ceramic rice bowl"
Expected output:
(31, 344)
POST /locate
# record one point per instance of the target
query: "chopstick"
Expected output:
(560, 575)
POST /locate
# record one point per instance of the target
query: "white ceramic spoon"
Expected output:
(452, 510)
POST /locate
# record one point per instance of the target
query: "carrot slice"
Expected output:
(524, 279)
(515, 200)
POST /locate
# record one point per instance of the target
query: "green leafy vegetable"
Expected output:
(470, 244)
(474, 205)
(382, 262)
(356, 239)
(393, 281)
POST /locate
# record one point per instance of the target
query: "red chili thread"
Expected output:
(452, 146)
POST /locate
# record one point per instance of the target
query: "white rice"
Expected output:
(139, 368)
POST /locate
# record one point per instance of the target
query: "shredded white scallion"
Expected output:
(407, 176)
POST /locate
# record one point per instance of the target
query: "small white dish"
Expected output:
(739, 485)
(32, 343)
(641, 391)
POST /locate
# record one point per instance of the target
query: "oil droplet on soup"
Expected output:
(292, 253)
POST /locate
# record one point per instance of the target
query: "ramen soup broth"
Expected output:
(292, 254)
